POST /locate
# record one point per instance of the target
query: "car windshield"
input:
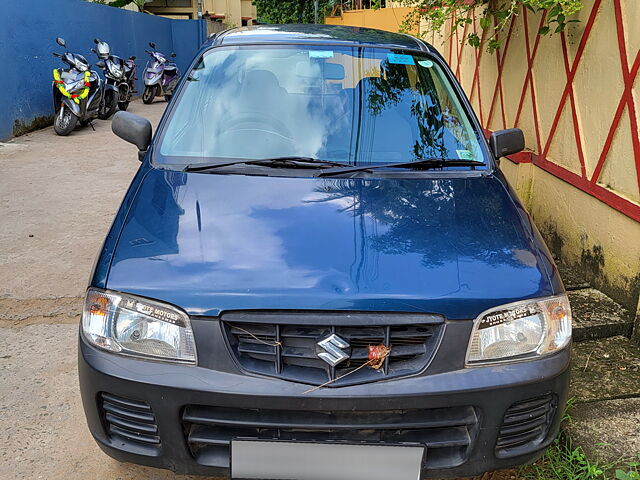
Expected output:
(354, 105)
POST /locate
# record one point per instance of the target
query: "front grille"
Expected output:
(290, 351)
(129, 420)
(448, 433)
(525, 426)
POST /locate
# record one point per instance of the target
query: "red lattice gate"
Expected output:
(588, 175)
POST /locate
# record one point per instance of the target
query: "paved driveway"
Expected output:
(58, 196)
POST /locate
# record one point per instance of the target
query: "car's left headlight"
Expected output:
(521, 330)
(135, 326)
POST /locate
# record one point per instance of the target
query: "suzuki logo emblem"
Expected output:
(333, 349)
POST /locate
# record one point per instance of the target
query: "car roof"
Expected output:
(316, 34)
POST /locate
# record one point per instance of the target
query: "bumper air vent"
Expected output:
(130, 421)
(525, 426)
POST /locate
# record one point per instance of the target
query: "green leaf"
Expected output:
(544, 30)
(555, 11)
(473, 40)
(485, 23)
(493, 45)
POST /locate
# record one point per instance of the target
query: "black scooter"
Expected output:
(118, 75)
(77, 92)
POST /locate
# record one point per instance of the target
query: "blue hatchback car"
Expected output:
(320, 272)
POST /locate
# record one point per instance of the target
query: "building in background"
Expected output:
(131, 7)
(219, 14)
(359, 13)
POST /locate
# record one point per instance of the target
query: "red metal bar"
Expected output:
(476, 72)
(628, 84)
(528, 81)
(500, 63)
(619, 203)
(461, 44)
(616, 120)
(574, 111)
(572, 73)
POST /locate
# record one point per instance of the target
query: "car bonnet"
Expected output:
(209, 243)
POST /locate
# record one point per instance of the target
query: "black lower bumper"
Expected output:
(183, 418)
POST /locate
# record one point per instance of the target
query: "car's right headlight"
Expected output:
(136, 326)
(521, 330)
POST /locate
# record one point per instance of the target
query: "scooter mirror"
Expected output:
(152, 45)
(60, 41)
(93, 50)
(133, 57)
(96, 41)
(173, 55)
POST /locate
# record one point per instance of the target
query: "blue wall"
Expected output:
(27, 40)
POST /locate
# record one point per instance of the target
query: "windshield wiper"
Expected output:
(422, 164)
(290, 162)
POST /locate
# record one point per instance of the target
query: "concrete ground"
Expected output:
(605, 385)
(58, 196)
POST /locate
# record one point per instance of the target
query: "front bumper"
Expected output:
(459, 415)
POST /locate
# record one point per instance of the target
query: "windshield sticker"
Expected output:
(465, 155)
(320, 53)
(425, 63)
(399, 59)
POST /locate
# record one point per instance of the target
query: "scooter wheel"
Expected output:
(110, 106)
(64, 122)
(148, 95)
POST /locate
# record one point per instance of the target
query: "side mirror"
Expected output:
(152, 45)
(96, 41)
(94, 51)
(133, 129)
(60, 41)
(506, 142)
(133, 57)
(100, 64)
(173, 55)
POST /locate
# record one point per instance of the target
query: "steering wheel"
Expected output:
(259, 121)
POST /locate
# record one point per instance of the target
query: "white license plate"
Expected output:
(323, 461)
